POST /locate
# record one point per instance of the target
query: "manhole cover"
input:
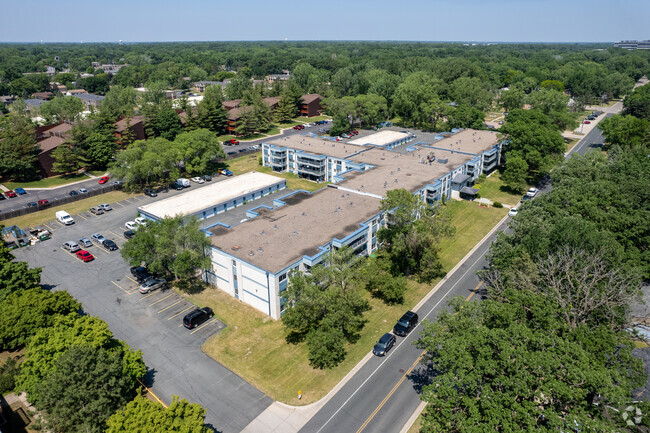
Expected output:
(401, 370)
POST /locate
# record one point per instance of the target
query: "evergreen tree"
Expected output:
(65, 161)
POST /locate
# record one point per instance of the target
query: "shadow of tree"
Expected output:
(422, 376)
(191, 286)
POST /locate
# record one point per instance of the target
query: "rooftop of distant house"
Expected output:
(308, 99)
(121, 125)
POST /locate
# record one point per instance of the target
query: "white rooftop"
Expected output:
(380, 138)
(204, 197)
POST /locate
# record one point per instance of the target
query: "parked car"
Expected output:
(231, 153)
(128, 234)
(117, 182)
(207, 177)
(406, 324)
(105, 207)
(150, 192)
(2, 197)
(354, 132)
(242, 150)
(71, 246)
(11, 194)
(298, 127)
(501, 122)
(83, 190)
(131, 225)
(103, 179)
(73, 193)
(345, 136)
(198, 179)
(32, 204)
(96, 211)
(85, 242)
(176, 186)
(231, 142)
(85, 256)
(322, 130)
(385, 343)
(587, 122)
(255, 147)
(43, 202)
(512, 212)
(97, 237)
(225, 172)
(141, 221)
(532, 192)
(197, 317)
(109, 245)
(152, 284)
(140, 273)
(20, 191)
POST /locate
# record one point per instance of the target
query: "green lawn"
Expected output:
(571, 143)
(494, 189)
(312, 119)
(253, 345)
(272, 131)
(246, 163)
(47, 183)
(43, 216)
(225, 137)
(97, 172)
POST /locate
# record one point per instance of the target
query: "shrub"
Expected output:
(8, 372)
(497, 204)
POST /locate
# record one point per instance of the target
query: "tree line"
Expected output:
(74, 370)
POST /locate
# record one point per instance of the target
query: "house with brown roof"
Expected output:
(75, 92)
(128, 130)
(233, 118)
(48, 138)
(229, 105)
(310, 105)
(42, 95)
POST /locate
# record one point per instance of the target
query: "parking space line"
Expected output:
(150, 294)
(118, 203)
(99, 248)
(203, 326)
(133, 280)
(177, 314)
(119, 236)
(49, 228)
(60, 223)
(166, 308)
(160, 300)
(125, 291)
(79, 215)
(132, 291)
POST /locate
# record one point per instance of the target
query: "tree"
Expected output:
(65, 161)
(197, 150)
(511, 99)
(100, 149)
(167, 124)
(14, 275)
(210, 111)
(26, 311)
(145, 416)
(119, 101)
(416, 89)
(18, 147)
(237, 87)
(68, 331)
(22, 87)
(325, 307)
(552, 85)
(471, 92)
(638, 103)
(554, 105)
(287, 107)
(62, 109)
(171, 245)
(96, 371)
(379, 281)
(625, 131)
(516, 172)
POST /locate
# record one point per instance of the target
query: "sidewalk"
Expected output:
(52, 188)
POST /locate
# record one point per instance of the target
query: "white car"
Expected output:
(83, 190)
(198, 179)
(105, 207)
(141, 221)
(131, 225)
(532, 192)
(512, 212)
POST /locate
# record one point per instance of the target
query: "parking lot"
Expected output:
(151, 322)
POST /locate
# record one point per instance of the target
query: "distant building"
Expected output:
(75, 92)
(633, 45)
(89, 99)
(128, 130)
(310, 105)
(272, 78)
(42, 95)
(48, 138)
(200, 86)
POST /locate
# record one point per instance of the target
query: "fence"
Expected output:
(59, 201)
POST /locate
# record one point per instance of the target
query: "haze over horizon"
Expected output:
(364, 20)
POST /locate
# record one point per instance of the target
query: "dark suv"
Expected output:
(406, 324)
(197, 317)
(140, 273)
(385, 343)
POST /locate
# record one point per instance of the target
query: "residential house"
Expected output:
(310, 105)
(284, 76)
(128, 130)
(48, 138)
(200, 86)
(229, 105)
(42, 95)
(89, 99)
(75, 92)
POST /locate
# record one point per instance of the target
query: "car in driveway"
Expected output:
(512, 212)
(150, 192)
(105, 207)
(587, 122)
(198, 179)
(152, 284)
(85, 256)
(109, 245)
(385, 343)
(20, 191)
(298, 127)
(197, 317)
(103, 179)
(532, 192)
(131, 225)
(71, 246)
(97, 237)
(128, 234)
(96, 211)
(406, 324)
(140, 273)
(43, 202)
(11, 194)
(85, 242)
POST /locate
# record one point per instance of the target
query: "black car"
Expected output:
(32, 204)
(129, 234)
(406, 324)
(207, 177)
(242, 150)
(73, 193)
(197, 317)
(150, 192)
(140, 273)
(2, 197)
(176, 186)
(109, 245)
(232, 153)
(385, 343)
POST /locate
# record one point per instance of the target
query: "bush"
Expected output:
(8, 373)
(497, 204)
(260, 162)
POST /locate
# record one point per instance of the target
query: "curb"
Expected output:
(52, 188)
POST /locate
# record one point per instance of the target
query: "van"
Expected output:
(185, 183)
(64, 218)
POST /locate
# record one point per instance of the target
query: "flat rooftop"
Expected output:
(392, 170)
(198, 199)
(317, 146)
(276, 238)
(380, 138)
(468, 140)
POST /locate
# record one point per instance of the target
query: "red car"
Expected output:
(298, 127)
(103, 179)
(232, 142)
(587, 122)
(42, 202)
(85, 255)
(11, 194)
(353, 132)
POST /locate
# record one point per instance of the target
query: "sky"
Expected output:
(406, 20)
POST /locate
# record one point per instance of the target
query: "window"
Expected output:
(282, 277)
(234, 263)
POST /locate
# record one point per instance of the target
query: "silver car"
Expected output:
(71, 246)
(152, 284)
(105, 207)
(85, 242)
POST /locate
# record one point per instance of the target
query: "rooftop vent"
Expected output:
(260, 250)
(295, 232)
(251, 253)
(235, 248)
